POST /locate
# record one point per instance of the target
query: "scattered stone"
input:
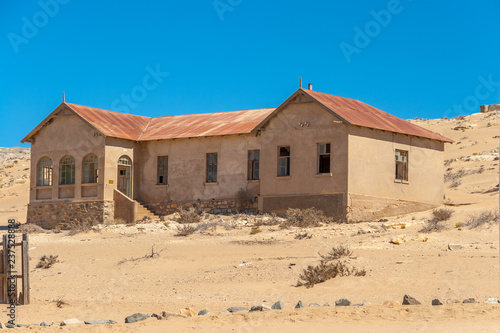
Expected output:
(277, 306)
(99, 322)
(454, 247)
(10, 326)
(314, 305)
(203, 312)
(188, 312)
(168, 314)
(491, 301)
(299, 305)
(399, 239)
(422, 238)
(469, 300)
(436, 302)
(452, 301)
(442, 255)
(236, 309)
(43, 324)
(71, 321)
(259, 308)
(390, 303)
(408, 300)
(135, 318)
(342, 302)
(22, 325)
(326, 304)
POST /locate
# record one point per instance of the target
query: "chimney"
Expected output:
(310, 86)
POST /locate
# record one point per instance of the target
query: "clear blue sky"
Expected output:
(417, 58)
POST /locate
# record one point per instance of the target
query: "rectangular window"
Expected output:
(212, 168)
(162, 170)
(46, 176)
(401, 165)
(253, 164)
(324, 158)
(283, 161)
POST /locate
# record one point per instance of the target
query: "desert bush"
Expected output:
(31, 228)
(303, 235)
(83, 225)
(255, 231)
(47, 261)
(456, 183)
(479, 219)
(442, 214)
(228, 225)
(303, 218)
(151, 255)
(189, 216)
(267, 219)
(60, 302)
(185, 230)
(329, 267)
(433, 226)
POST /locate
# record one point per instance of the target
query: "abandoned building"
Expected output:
(344, 157)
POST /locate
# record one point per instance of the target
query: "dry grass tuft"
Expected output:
(185, 230)
(60, 302)
(47, 261)
(78, 226)
(151, 255)
(304, 218)
(255, 231)
(189, 216)
(433, 226)
(329, 267)
(442, 214)
(31, 228)
(482, 218)
(303, 235)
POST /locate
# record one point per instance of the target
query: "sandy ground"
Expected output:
(219, 268)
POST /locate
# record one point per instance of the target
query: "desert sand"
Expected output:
(224, 265)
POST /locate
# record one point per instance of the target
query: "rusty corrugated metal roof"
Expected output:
(364, 115)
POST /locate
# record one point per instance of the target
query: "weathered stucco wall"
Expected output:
(125, 208)
(372, 183)
(66, 135)
(285, 130)
(116, 148)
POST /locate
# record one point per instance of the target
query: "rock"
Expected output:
(135, 318)
(454, 247)
(342, 302)
(22, 325)
(188, 312)
(10, 325)
(72, 321)
(452, 301)
(43, 324)
(408, 300)
(236, 309)
(390, 303)
(168, 314)
(314, 305)
(259, 308)
(277, 306)
(436, 302)
(203, 312)
(299, 305)
(469, 300)
(422, 238)
(399, 239)
(326, 304)
(491, 301)
(99, 322)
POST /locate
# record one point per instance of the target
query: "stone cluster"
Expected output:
(207, 206)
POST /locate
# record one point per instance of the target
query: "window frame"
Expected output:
(211, 168)
(45, 172)
(64, 168)
(90, 174)
(162, 170)
(404, 154)
(253, 167)
(287, 164)
(328, 152)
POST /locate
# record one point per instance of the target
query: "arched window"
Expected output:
(124, 160)
(90, 165)
(67, 170)
(44, 170)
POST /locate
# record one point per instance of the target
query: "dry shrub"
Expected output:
(255, 231)
(47, 261)
(189, 216)
(60, 302)
(151, 255)
(83, 225)
(329, 267)
(212, 225)
(31, 228)
(303, 218)
(433, 226)
(484, 217)
(267, 219)
(185, 230)
(303, 235)
(442, 214)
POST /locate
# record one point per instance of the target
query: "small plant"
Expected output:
(479, 219)
(459, 225)
(60, 302)
(442, 214)
(189, 216)
(303, 235)
(185, 230)
(78, 226)
(151, 255)
(166, 224)
(433, 226)
(304, 218)
(329, 267)
(47, 261)
(255, 231)
(456, 183)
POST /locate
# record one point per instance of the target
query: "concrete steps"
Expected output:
(143, 211)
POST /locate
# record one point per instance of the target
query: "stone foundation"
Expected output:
(63, 214)
(206, 206)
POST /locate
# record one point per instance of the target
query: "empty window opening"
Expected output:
(401, 165)
(162, 172)
(253, 164)
(283, 161)
(212, 168)
(44, 169)
(324, 158)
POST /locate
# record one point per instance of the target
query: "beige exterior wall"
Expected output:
(66, 135)
(116, 148)
(372, 183)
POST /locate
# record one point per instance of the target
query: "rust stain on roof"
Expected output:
(361, 114)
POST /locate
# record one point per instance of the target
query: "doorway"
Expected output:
(124, 175)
